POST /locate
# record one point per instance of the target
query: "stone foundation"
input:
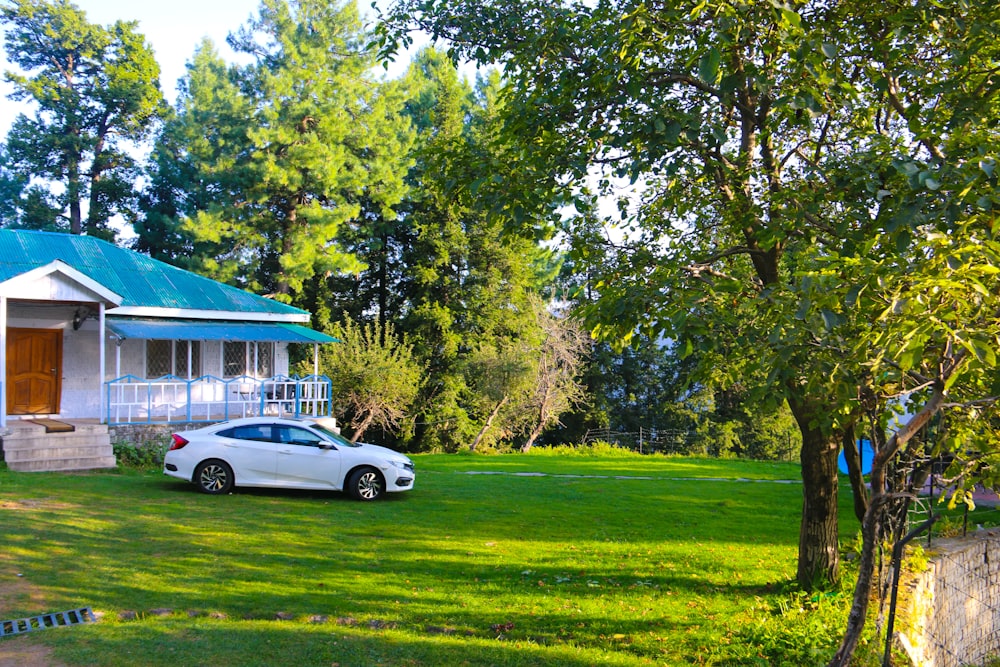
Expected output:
(953, 616)
(144, 435)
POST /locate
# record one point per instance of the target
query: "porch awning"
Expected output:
(166, 329)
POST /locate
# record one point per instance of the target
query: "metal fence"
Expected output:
(170, 399)
(681, 442)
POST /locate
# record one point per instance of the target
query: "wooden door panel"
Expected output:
(34, 360)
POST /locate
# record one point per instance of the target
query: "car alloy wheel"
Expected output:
(215, 477)
(366, 484)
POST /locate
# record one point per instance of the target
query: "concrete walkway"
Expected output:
(663, 479)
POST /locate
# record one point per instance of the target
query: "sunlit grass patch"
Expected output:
(590, 563)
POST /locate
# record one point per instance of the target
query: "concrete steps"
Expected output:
(28, 448)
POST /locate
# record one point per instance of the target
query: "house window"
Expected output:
(158, 361)
(178, 357)
(187, 359)
(265, 359)
(245, 358)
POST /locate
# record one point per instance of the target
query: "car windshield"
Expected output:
(340, 440)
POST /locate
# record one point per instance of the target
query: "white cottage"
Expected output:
(91, 333)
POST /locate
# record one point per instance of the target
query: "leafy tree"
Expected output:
(465, 290)
(499, 378)
(196, 171)
(281, 155)
(651, 386)
(556, 387)
(96, 93)
(801, 167)
(22, 205)
(374, 373)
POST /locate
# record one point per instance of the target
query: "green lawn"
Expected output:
(689, 567)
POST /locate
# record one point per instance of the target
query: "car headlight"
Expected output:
(402, 464)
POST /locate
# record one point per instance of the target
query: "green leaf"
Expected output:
(829, 50)
(984, 353)
(791, 18)
(708, 66)
(852, 295)
(803, 310)
(672, 132)
(830, 319)
(903, 240)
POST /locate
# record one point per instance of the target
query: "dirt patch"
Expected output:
(18, 593)
(26, 652)
(33, 504)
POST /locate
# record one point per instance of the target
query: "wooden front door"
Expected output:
(34, 370)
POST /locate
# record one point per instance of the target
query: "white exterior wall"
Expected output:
(81, 383)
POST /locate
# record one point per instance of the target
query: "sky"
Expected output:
(174, 28)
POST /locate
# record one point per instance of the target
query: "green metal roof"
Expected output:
(140, 280)
(168, 329)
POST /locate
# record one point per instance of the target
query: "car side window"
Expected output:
(294, 435)
(260, 433)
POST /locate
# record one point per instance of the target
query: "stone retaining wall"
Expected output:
(144, 435)
(953, 615)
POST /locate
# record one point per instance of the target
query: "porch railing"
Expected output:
(170, 399)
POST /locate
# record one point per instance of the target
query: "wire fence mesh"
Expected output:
(688, 442)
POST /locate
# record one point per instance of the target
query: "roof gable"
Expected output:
(146, 286)
(59, 282)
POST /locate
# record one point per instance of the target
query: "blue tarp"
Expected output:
(867, 454)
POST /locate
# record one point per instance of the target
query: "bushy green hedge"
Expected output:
(139, 457)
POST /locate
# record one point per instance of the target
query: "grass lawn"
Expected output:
(690, 566)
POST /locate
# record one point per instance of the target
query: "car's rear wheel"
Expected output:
(214, 476)
(366, 484)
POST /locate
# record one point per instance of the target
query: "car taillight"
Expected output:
(178, 442)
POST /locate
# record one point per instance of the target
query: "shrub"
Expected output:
(144, 457)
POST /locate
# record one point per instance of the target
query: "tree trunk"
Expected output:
(360, 429)
(539, 425)
(870, 529)
(489, 422)
(854, 458)
(530, 442)
(819, 558)
(871, 525)
(97, 169)
(287, 244)
(73, 194)
(383, 287)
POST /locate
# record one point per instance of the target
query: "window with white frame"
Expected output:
(178, 357)
(247, 358)
(187, 359)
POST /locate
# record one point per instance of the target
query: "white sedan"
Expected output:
(285, 453)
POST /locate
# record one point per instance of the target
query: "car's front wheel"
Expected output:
(366, 484)
(214, 476)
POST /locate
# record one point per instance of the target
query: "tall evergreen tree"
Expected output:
(95, 92)
(470, 285)
(281, 155)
